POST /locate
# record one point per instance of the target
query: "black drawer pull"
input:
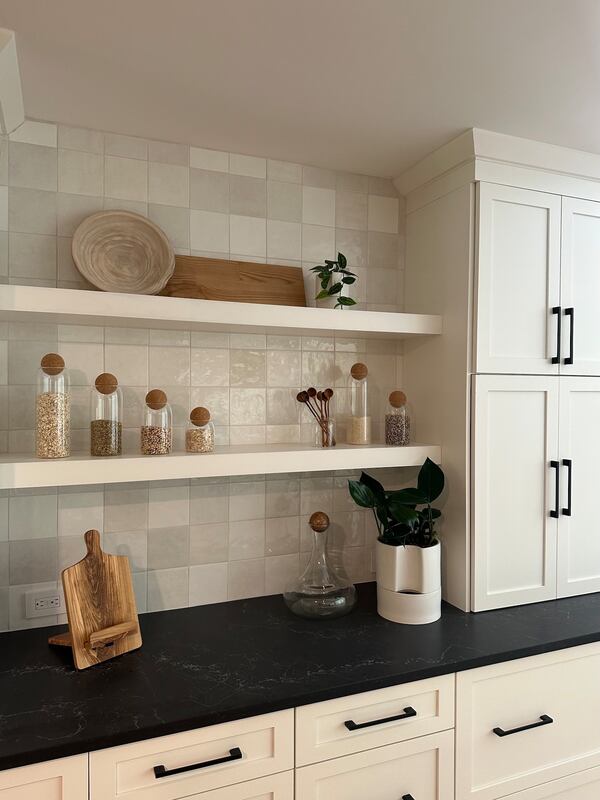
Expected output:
(566, 462)
(557, 310)
(544, 720)
(354, 726)
(407, 797)
(570, 312)
(234, 755)
(554, 512)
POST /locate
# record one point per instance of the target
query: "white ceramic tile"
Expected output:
(247, 196)
(318, 206)
(284, 171)
(78, 511)
(32, 256)
(209, 190)
(284, 201)
(349, 182)
(382, 186)
(33, 516)
(353, 244)
(168, 366)
(247, 236)
(168, 588)
(168, 547)
(169, 506)
(125, 178)
(283, 498)
(169, 153)
(209, 231)
(125, 146)
(208, 584)
(168, 184)
(133, 544)
(318, 243)
(32, 166)
(246, 539)
(84, 360)
(209, 159)
(351, 211)
(247, 341)
(3, 208)
(125, 508)
(383, 214)
(314, 176)
(72, 209)
(246, 579)
(247, 501)
(80, 139)
(281, 572)
(128, 362)
(284, 368)
(247, 434)
(4, 518)
(175, 222)
(31, 132)
(80, 173)
(284, 239)
(216, 399)
(246, 368)
(209, 503)
(209, 543)
(282, 535)
(210, 367)
(247, 406)
(247, 165)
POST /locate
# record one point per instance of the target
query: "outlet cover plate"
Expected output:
(43, 603)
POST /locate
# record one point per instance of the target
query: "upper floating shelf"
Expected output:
(81, 307)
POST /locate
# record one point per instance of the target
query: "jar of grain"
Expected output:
(359, 424)
(106, 417)
(157, 428)
(200, 434)
(397, 420)
(52, 409)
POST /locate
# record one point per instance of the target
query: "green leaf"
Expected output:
(330, 263)
(322, 294)
(342, 260)
(337, 287)
(409, 497)
(346, 301)
(376, 488)
(402, 513)
(361, 494)
(430, 481)
(325, 282)
(348, 279)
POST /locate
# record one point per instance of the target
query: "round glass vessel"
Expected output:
(325, 433)
(320, 592)
(106, 416)
(397, 420)
(157, 429)
(200, 433)
(52, 409)
(359, 424)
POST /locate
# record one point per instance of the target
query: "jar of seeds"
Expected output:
(359, 424)
(52, 409)
(200, 434)
(106, 418)
(397, 420)
(157, 430)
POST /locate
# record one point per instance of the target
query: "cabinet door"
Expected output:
(580, 295)
(515, 443)
(62, 779)
(579, 528)
(518, 280)
(581, 786)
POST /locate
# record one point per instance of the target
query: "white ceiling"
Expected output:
(363, 85)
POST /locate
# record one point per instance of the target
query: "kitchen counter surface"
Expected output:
(210, 664)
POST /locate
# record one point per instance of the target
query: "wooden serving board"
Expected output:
(103, 620)
(236, 281)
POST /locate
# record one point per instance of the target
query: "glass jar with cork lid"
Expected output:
(157, 429)
(200, 434)
(106, 416)
(397, 420)
(52, 409)
(359, 424)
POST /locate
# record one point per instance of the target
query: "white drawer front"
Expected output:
(322, 733)
(581, 786)
(273, 787)
(265, 744)
(62, 779)
(563, 686)
(422, 768)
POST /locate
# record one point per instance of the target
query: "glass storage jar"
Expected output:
(52, 409)
(397, 420)
(359, 424)
(106, 416)
(321, 592)
(157, 429)
(200, 433)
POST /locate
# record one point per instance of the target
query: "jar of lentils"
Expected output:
(157, 428)
(52, 409)
(397, 420)
(200, 434)
(106, 418)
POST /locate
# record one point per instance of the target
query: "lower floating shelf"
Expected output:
(20, 472)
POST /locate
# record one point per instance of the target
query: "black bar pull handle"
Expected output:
(566, 462)
(544, 720)
(234, 755)
(557, 310)
(354, 726)
(570, 312)
(554, 512)
(407, 797)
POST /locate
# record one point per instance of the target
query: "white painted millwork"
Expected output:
(321, 733)
(563, 686)
(581, 786)
(518, 280)
(273, 787)
(63, 779)
(266, 743)
(421, 767)
(515, 436)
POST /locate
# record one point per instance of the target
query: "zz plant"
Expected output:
(404, 516)
(334, 275)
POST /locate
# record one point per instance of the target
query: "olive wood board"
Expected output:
(236, 281)
(101, 609)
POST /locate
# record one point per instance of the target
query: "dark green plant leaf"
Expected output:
(374, 485)
(430, 481)
(410, 496)
(322, 294)
(361, 494)
(337, 287)
(342, 260)
(348, 279)
(325, 282)
(330, 263)
(347, 301)
(402, 513)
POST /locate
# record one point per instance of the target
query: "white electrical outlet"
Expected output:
(43, 603)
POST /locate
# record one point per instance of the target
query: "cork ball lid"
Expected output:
(359, 371)
(200, 415)
(319, 521)
(156, 399)
(397, 399)
(52, 364)
(106, 383)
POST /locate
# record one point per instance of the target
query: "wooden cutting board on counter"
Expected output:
(101, 609)
(236, 281)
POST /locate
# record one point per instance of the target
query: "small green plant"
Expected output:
(333, 276)
(404, 516)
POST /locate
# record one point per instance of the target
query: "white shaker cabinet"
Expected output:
(517, 280)
(62, 779)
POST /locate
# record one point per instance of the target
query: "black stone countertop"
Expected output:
(205, 665)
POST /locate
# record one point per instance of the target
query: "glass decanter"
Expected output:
(320, 592)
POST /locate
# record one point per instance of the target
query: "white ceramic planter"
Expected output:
(408, 569)
(408, 608)
(328, 302)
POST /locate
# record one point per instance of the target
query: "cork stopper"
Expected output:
(200, 415)
(397, 399)
(319, 521)
(156, 399)
(52, 364)
(106, 383)
(359, 371)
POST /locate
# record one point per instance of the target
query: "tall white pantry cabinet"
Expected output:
(503, 240)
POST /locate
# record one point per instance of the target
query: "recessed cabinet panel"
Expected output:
(581, 786)
(579, 528)
(518, 280)
(62, 779)
(514, 490)
(580, 277)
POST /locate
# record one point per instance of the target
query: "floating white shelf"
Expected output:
(80, 307)
(21, 472)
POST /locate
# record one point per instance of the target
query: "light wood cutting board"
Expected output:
(101, 609)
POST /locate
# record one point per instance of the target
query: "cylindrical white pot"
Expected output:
(408, 569)
(409, 608)
(328, 302)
